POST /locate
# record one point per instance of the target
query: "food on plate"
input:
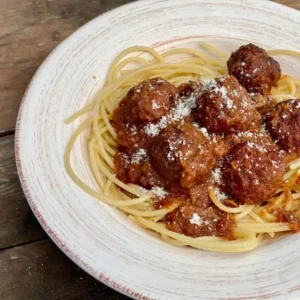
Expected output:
(283, 122)
(253, 173)
(225, 106)
(254, 69)
(203, 151)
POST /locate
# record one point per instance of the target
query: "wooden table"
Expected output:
(31, 266)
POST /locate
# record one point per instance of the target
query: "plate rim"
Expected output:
(101, 277)
(98, 275)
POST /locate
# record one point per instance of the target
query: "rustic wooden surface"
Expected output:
(41, 271)
(31, 266)
(29, 30)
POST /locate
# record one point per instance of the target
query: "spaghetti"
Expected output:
(178, 66)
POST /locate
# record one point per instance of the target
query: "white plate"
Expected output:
(99, 238)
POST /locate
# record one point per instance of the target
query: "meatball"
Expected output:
(131, 137)
(136, 168)
(283, 121)
(253, 173)
(184, 152)
(254, 69)
(142, 173)
(164, 152)
(194, 221)
(199, 195)
(151, 99)
(186, 90)
(261, 137)
(225, 107)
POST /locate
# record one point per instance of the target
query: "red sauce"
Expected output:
(165, 147)
(289, 217)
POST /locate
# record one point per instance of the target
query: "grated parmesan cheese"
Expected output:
(196, 219)
(139, 156)
(154, 129)
(155, 105)
(216, 174)
(183, 108)
(220, 196)
(245, 134)
(159, 192)
(205, 132)
(222, 91)
(202, 129)
(170, 156)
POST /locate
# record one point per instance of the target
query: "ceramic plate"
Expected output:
(100, 239)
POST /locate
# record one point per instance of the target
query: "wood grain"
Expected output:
(291, 3)
(17, 223)
(40, 271)
(29, 30)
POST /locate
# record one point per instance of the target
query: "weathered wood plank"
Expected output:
(40, 271)
(291, 3)
(17, 223)
(29, 30)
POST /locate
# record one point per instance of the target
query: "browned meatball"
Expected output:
(151, 99)
(136, 168)
(164, 152)
(283, 121)
(253, 173)
(189, 88)
(194, 221)
(225, 106)
(143, 173)
(254, 69)
(184, 152)
(131, 135)
(199, 195)
(260, 137)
